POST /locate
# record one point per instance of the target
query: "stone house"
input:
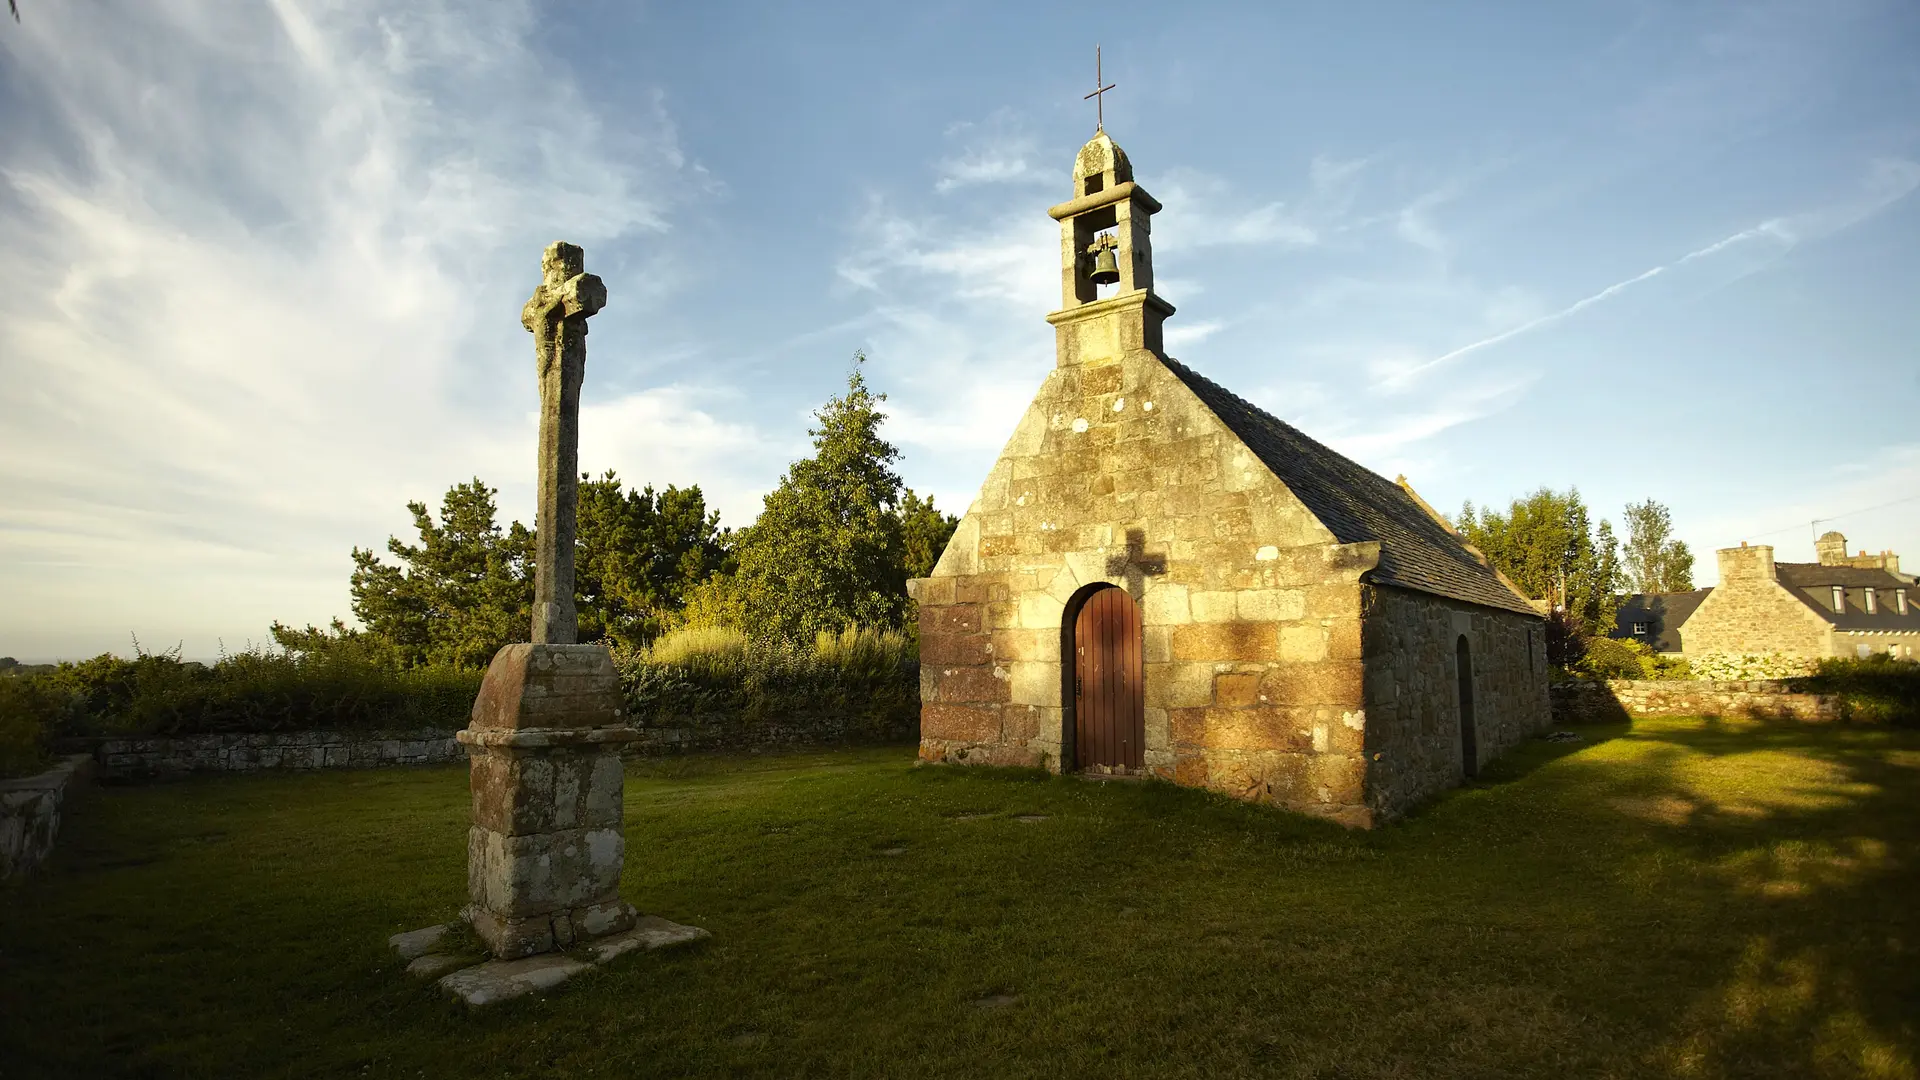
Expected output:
(1160, 578)
(1840, 606)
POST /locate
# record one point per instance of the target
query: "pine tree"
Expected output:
(828, 550)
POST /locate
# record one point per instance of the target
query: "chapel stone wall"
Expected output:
(1412, 720)
(1250, 608)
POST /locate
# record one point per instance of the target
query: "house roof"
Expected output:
(1664, 614)
(1813, 584)
(1357, 504)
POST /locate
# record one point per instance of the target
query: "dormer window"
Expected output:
(1868, 593)
(1639, 629)
(1900, 601)
(1839, 599)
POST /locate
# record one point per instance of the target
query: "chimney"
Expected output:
(1747, 563)
(1832, 549)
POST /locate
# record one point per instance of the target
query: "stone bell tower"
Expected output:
(1106, 239)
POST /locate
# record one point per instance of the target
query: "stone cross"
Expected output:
(1136, 565)
(557, 316)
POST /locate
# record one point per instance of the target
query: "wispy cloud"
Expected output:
(1181, 335)
(258, 270)
(1887, 183)
(995, 151)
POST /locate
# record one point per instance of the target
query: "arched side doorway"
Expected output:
(1469, 735)
(1104, 688)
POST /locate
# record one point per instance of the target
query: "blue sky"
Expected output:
(261, 265)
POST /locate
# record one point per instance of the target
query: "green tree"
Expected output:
(828, 550)
(1655, 561)
(638, 556)
(924, 533)
(456, 597)
(1546, 546)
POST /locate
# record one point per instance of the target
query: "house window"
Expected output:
(1639, 629)
(1868, 595)
(1839, 598)
(1863, 650)
(1900, 601)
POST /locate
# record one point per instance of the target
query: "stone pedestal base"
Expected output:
(508, 937)
(546, 848)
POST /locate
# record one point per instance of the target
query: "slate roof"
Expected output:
(1664, 614)
(1813, 584)
(1357, 504)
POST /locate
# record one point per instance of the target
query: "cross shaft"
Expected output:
(557, 317)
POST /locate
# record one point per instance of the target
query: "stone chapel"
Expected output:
(1160, 578)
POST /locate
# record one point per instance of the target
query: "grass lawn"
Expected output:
(1682, 898)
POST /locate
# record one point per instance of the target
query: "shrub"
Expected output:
(251, 691)
(1740, 667)
(719, 647)
(1879, 688)
(1618, 658)
(29, 714)
(869, 678)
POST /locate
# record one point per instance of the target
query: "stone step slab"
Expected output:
(503, 980)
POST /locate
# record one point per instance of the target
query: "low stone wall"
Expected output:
(181, 754)
(771, 733)
(1589, 701)
(146, 758)
(30, 814)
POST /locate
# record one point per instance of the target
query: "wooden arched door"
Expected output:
(1109, 708)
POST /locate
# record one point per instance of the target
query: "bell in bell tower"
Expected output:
(1106, 240)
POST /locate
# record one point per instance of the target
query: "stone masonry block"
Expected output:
(1338, 779)
(934, 592)
(1015, 646)
(1224, 641)
(959, 723)
(955, 649)
(519, 792)
(1062, 586)
(952, 619)
(1156, 644)
(1326, 682)
(979, 684)
(1040, 611)
(1250, 729)
(1087, 566)
(517, 876)
(1035, 683)
(1214, 607)
(549, 686)
(1166, 605)
(1343, 639)
(1236, 691)
(1305, 643)
(1178, 685)
(1271, 605)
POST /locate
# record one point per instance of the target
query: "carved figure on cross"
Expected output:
(557, 317)
(1136, 565)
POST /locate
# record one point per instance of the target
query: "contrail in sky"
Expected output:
(1775, 228)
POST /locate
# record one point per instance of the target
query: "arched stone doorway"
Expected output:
(1469, 735)
(1104, 680)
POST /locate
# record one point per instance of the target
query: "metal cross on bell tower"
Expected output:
(1100, 86)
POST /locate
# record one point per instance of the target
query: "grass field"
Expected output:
(1685, 898)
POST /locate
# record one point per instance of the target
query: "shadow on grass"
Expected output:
(1802, 838)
